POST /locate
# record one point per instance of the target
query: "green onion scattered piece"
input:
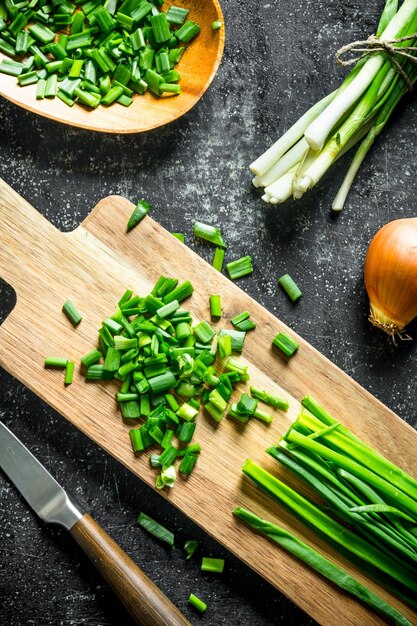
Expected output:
(51, 361)
(320, 564)
(139, 212)
(218, 259)
(267, 398)
(290, 287)
(212, 565)
(156, 529)
(224, 346)
(262, 416)
(209, 233)
(71, 312)
(240, 318)
(215, 306)
(190, 547)
(239, 268)
(247, 405)
(237, 338)
(198, 604)
(69, 372)
(186, 432)
(284, 343)
(236, 415)
(216, 25)
(179, 236)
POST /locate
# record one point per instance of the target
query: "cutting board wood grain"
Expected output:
(92, 266)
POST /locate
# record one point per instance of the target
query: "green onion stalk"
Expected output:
(356, 112)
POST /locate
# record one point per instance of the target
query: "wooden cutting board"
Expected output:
(93, 265)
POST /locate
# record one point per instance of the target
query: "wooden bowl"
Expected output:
(198, 67)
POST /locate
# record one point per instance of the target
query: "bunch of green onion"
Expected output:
(94, 51)
(357, 111)
(368, 505)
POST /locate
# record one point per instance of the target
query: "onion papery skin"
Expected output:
(391, 275)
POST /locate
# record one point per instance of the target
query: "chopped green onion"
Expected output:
(55, 362)
(156, 529)
(154, 461)
(168, 456)
(204, 332)
(176, 15)
(215, 306)
(194, 448)
(162, 383)
(240, 318)
(247, 405)
(168, 476)
(237, 338)
(188, 462)
(92, 357)
(71, 312)
(69, 373)
(209, 233)
(267, 398)
(190, 547)
(239, 268)
(284, 343)
(186, 412)
(262, 416)
(179, 293)
(224, 346)
(179, 236)
(187, 31)
(216, 25)
(212, 565)
(198, 604)
(218, 259)
(290, 287)
(235, 414)
(139, 212)
(136, 440)
(186, 432)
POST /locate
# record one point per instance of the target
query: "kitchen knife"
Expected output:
(145, 602)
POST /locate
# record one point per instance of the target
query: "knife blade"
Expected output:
(146, 603)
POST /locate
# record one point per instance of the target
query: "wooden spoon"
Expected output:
(198, 67)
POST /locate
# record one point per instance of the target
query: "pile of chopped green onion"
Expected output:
(357, 111)
(370, 510)
(95, 51)
(164, 363)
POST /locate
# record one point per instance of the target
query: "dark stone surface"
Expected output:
(197, 168)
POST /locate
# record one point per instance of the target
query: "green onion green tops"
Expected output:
(216, 25)
(71, 312)
(218, 259)
(284, 343)
(290, 287)
(212, 565)
(215, 306)
(239, 268)
(198, 604)
(55, 362)
(190, 547)
(209, 233)
(156, 529)
(267, 398)
(320, 564)
(139, 212)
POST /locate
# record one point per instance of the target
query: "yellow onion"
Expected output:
(391, 275)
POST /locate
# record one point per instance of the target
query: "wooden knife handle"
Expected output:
(145, 602)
